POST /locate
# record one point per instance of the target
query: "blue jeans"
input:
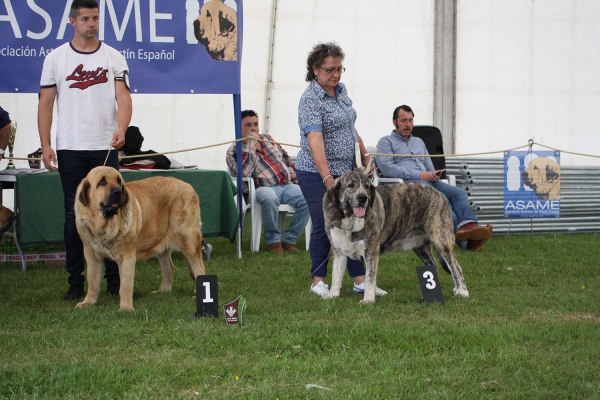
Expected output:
(270, 198)
(314, 189)
(73, 167)
(458, 200)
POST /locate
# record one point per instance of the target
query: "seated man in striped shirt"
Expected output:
(270, 167)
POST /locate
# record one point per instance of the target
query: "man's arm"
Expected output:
(386, 164)
(45, 110)
(124, 111)
(4, 137)
(248, 159)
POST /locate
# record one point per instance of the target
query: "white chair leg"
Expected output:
(307, 231)
(256, 227)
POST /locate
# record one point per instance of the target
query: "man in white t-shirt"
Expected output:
(89, 81)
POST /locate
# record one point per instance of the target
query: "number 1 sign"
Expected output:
(207, 296)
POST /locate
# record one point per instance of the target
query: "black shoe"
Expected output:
(75, 292)
(111, 291)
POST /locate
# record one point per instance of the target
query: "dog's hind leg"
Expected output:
(426, 255)
(449, 262)
(93, 276)
(192, 250)
(337, 274)
(167, 270)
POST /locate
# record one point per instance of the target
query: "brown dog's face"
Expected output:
(217, 30)
(354, 192)
(104, 188)
(543, 176)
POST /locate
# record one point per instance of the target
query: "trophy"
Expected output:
(11, 144)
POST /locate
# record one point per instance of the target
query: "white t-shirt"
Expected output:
(85, 84)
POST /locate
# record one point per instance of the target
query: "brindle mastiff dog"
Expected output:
(363, 221)
(136, 221)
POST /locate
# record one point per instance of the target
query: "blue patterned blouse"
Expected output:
(320, 112)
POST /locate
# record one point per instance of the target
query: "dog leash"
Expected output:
(108, 154)
(324, 261)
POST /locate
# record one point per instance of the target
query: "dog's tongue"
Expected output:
(114, 205)
(358, 211)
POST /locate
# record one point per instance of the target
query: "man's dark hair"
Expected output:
(249, 113)
(402, 107)
(317, 57)
(78, 4)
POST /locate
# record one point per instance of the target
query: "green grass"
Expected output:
(530, 330)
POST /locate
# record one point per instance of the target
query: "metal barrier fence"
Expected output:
(483, 180)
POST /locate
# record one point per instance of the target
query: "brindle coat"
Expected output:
(363, 221)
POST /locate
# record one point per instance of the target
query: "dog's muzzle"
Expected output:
(112, 205)
(359, 210)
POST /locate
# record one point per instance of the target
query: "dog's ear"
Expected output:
(372, 194)
(334, 191)
(84, 194)
(124, 194)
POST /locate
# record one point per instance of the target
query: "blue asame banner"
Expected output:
(171, 46)
(532, 184)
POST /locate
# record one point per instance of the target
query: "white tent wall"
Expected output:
(528, 70)
(524, 69)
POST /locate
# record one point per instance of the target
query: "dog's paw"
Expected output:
(84, 304)
(330, 295)
(461, 293)
(126, 308)
(365, 301)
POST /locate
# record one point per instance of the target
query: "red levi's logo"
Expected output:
(85, 79)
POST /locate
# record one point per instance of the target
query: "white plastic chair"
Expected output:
(256, 213)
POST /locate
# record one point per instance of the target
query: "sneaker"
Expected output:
(75, 292)
(290, 247)
(321, 289)
(276, 248)
(361, 289)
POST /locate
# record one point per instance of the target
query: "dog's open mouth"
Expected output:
(110, 210)
(358, 212)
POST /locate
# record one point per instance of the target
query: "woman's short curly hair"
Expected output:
(317, 57)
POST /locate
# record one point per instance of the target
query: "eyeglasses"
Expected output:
(332, 70)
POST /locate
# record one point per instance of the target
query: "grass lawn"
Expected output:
(530, 330)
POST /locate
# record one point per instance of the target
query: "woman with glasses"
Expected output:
(327, 139)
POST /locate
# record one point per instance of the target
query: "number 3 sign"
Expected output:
(430, 284)
(207, 296)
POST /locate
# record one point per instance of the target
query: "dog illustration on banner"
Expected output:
(216, 29)
(532, 184)
(543, 176)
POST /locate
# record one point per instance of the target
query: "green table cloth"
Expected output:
(41, 204)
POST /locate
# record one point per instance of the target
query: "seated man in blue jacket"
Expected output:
(468, 232)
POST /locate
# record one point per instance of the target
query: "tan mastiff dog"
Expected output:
(143, 219)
